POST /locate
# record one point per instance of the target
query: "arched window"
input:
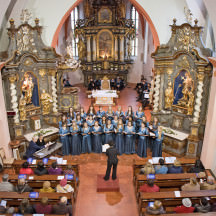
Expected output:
(135, 19)
(74, 18)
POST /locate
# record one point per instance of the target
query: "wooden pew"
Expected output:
(169, 199)
(173, 181)
(17, 165)
(14, 198)
(138, 164)
(37, 182)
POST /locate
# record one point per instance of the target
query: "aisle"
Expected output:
(91, 203)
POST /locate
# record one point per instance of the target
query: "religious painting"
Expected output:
(105, 45)
(105, 15)
(29, 88)
(183, 89)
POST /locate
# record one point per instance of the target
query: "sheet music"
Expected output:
(31, 177)
(59, 160)
(156, 159)
(60, 177)
(34, 161)
(64, 162)
(177, 193)
(170, 159)
(150, 161)
(105, 147)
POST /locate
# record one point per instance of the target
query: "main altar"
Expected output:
(104, 40)
(181, 89)
(33, 81)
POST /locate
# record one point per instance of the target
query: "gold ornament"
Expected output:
(46, 101)
(22, 109)
(169, 97)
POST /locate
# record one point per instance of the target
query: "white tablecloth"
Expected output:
(104, 93)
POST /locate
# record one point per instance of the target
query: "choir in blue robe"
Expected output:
(90, 123)
(97, 139)
(133, 123)
(139, 115)
(142, 142)
(75, 141)
(100, 114)
(157, 145)
(65, 141)
(114, 123)
(61, 123)
(86, 140)
(129, 147)
(119, 140)
(108, 136)
(83, 115)
(119, 114)
(79, 123)
(110, 115)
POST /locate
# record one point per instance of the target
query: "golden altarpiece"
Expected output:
(32, 81)
(105, 36)
(182, 83)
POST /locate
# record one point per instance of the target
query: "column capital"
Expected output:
(12, 78)
(201, 77)
(52, 72)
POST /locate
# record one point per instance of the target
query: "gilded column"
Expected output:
(156, 91)
(14, 102)
(88, 48)
(52, 72)
(121, 48)
(116, 47)
(198, 98)
(94, 49)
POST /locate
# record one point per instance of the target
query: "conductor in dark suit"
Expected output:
(112, 161)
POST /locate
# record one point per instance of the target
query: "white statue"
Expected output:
(25, 16)
(188, 15)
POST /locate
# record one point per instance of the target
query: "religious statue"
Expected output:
(22, 108)
(169, 96)
(190, 103)
(187, 88)
(25, 16)
(129, 49)
(46, 101)
(87, 7)
(188, 15)
(27, 88)
(81, 49)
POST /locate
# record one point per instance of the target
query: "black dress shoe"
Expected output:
(105, 179)
(114, 178)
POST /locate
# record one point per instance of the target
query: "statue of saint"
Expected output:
(81, 49)
(27, 89)
(46, 101)
(129, 49)
(169, 96)
(22, 108)
(87, 8)
(187, 88)
(122, 9)
(190, 103)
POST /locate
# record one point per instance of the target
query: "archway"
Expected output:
(139, 8)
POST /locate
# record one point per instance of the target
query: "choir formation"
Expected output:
(82, 132)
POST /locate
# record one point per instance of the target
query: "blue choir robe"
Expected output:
(90, 123)
(129, 147)
(91, 114)
(79, 123)
(133, 123)
(69, 117)
(100, 114)
(103, 125)
(75, 142)
(65, 141)
(127, 114)
(86, 140)
(157, 145)
(32, 148)
(69, 122)
(142, 142)
(61, 124)
(83, 115)
(108, 136)
(139, 115)
(97, 139)
(110, 115)
(119, 140)
(114, 123)
(119, 114)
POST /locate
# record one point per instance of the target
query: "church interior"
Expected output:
(108, 107)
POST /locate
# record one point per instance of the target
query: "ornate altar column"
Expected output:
(52, 72)
(121, 48)
(94, 57)
(198, 97)
(14, 101)
(116, 47)
(88, 48)
(156, 91)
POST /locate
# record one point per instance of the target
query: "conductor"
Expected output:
(111, 161)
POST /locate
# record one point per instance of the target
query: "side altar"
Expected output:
(104, 40)
(32, 80)
(181, 92)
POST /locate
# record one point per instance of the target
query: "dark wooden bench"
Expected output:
(169, 200)
(166, 181)
(138, 164)
(17, 165)
(37, 182)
